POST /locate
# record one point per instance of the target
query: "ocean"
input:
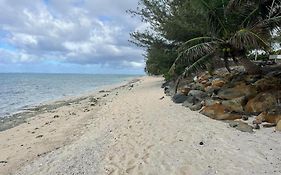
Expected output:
(21, 90)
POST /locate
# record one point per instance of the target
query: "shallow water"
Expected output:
(21, 90)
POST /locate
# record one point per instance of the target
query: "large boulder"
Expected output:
(237, 91)
(262, 102)
(196, 107)
(219, 112)
(268, 83)
(235, 104)
(179, 98)
(190, 101)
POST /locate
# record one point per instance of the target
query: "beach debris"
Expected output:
(56, 116)
(86, 110)
(39, 136)
(161, 98)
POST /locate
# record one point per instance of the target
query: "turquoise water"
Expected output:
(18, 91)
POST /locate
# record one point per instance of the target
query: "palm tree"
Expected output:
(236, 27)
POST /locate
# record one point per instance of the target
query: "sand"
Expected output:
(132, 130)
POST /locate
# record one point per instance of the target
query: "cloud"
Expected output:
(69, 31)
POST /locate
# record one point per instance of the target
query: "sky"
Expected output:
(69, 36)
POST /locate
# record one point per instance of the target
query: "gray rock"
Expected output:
(241, 126)
(196, 107)
(198, 94)
(210, 102)
(179, 98)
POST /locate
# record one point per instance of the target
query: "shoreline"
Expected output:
(135, 129)
(25, 112)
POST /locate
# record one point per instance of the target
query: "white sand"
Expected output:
(137, 133)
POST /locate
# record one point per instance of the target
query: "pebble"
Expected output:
(201, 143)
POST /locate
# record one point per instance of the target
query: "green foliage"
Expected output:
(194, 33)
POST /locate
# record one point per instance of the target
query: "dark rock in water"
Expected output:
(262, 102)
(179, 98)
(196, 107)
(241, 126)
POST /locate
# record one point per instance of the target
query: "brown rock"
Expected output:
(219, 112)
(235, 104)
(267, 117)
(268, 83)
(262, 102)
(218, 83)
(278, 127)
(237, 91)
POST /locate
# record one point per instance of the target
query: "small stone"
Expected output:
(39, 136)
(257, 126)
(201, 143)
(162, 98)
(3, 161)
(56, 116)
(180, 140)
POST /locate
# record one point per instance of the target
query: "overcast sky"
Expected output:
(72, 36)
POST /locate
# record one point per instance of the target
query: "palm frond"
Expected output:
(199, 64)
(245, 38)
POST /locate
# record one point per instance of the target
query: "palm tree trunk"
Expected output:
(250, 67)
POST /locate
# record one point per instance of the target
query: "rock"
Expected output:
(56, 116)
(210, 102)
(218, 83)
(219, 112)
(262, 102)
(201, 143)
(240, 90)
(241, 126)
(196, 107)
(39, 136)
(197, 86)
(278, 127)
(235, 104)
(161, 98)
(256, 126)
(185, 90)
(3, 162)
(198, 94)
(268, 83)
(252, 78)
(179, 98)
(210, 90)
(267, 117)
(269, 125)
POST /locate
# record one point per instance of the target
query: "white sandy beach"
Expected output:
(134, 131)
